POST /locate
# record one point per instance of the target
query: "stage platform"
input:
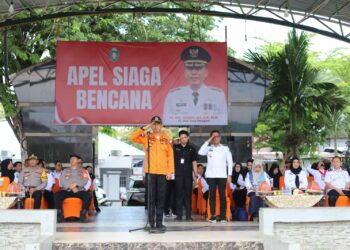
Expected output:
(110, 230)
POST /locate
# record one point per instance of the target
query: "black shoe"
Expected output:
(189, 218)
(60, 218)
(161, 228)
(83, 218)
(178, 218)
(98, 210)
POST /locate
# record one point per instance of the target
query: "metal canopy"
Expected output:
(331, 16)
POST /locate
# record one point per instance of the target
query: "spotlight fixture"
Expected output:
(286, 13)
(11, 8)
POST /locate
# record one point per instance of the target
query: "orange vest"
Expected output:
(161, 151)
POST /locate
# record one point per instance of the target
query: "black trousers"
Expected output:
(170, 197)
(37, 195)
(85, 196)
(48, 195)
(157, 195)
(239, 196)
(333, 196)
(213, 184)
(183, 185)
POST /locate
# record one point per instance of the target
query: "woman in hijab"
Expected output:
(239, 192)
(7, 169)
(259, 176)
(295, 177)
(275, 175)
(319, 173)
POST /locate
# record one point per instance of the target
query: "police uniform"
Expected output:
(205, 106)
(81, 178)
(34, 177)
(184, 157)
(161, 160)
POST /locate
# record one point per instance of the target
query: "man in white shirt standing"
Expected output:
(218, 172)
(336, 181)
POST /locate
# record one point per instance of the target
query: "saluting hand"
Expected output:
(211, 138)
(148, 126)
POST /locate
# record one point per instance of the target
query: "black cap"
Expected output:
(195, 54)
(75, 155)
(156, 119)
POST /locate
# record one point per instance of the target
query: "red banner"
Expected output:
(128, 83)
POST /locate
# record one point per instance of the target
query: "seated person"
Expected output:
(275, 175)
(74, 182)
(48, 194)
(319, 174)
(247, 171)
(7, 169)
(201, 178)
(239, 192)
(295, 177)
(18, 169)
(58, 169)
(259, 176)
(337, 180)
(34, 179)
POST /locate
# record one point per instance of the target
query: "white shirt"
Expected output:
(338, 178)
(318, 177)
(50, 181)
(205, 186)
(219, 160)
(180, 109)
(56, 175)
(240, 182)
(289, 180)
(16, 177)
(250, 186)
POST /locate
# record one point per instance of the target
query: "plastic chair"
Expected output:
(92, 204)
(217, 204)
(281, 183)
(194, 203)
(56, 187)
(247, 201)
(71, 207)
(29, 203)
(4, 183)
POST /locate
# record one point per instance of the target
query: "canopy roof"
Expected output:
(332, 16)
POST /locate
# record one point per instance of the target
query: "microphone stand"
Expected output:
(147, 227)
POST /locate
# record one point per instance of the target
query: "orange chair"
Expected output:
(4, 183)
(247, 201)
(281, 183)
(342, 201)
(201, 202)
(56, 187)
(72, 207)
(92, 205)
(29, 203)
(194, 203)
(217, 208)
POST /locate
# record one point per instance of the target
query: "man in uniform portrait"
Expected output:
(197, 102)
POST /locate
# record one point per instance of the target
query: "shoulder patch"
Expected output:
(216, 89)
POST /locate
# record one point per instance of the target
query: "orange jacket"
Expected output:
(161, 151)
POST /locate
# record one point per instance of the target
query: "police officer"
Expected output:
(161, 168)
(186, 158)
(196, 99)
(34, 179)
(74, 182)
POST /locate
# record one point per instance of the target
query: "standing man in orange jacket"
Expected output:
(161, 159)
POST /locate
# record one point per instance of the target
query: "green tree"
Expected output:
(28, 42)
(294, 88)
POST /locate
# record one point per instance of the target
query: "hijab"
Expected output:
(275, 177)
(258, 178)
(296, 171)
(5, 171)
(235, 174)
